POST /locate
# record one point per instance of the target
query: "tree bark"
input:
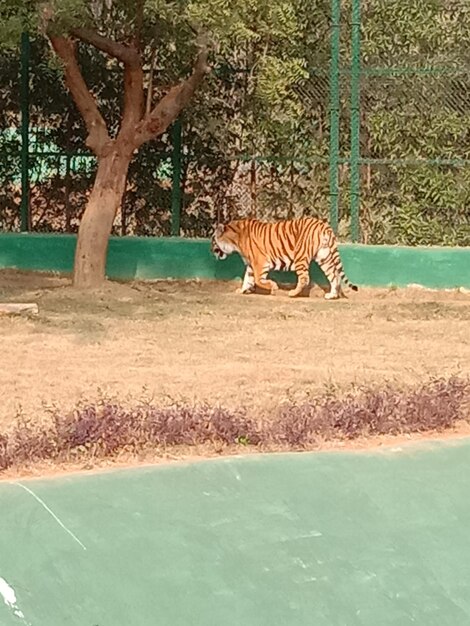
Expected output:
(97, 221)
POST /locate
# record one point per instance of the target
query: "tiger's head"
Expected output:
(225, 240)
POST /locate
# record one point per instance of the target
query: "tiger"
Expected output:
(285, 245)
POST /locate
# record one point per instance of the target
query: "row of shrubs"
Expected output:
(107, 429)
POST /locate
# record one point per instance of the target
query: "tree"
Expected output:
(139, 123)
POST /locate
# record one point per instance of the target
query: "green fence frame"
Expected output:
(355, 76)
(334, 112)
(355, 109)
(24, 207)
(335, 159)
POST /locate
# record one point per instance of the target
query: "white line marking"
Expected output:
(9, 597)
(8, 593)
(44, 505)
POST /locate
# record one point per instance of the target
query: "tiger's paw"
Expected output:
(331, 295)
(245, 291)
(293, 293)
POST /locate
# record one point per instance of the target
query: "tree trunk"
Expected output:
(97, 221)
(137, 127)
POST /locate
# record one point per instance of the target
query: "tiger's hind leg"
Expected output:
(335, 291)
(303, 278)
(327, 260)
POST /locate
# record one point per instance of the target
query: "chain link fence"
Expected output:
(381, 144)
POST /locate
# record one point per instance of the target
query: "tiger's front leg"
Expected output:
(261, 277)
(303, 278)
(248, 285)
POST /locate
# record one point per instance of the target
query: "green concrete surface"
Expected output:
(172, 257)
(290, 540)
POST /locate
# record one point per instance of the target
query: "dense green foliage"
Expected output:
(266, 97)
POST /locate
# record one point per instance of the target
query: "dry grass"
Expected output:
(201, 341)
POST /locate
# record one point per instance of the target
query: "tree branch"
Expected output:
(133, 74)
(133, 102)
(171, 105)
(125, 54)
(98, 137)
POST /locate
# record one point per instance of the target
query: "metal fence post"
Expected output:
(355, 118)
(24, 107)
(176, 140)
(334, 112)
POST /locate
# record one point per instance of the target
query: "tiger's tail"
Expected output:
(346, 280)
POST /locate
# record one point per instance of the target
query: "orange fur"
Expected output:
(286, 245)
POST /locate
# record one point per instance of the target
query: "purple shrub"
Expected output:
(5, 460)
(107, 429)
(182, 424)
(29, 443)
(435, 405)
(229, 427)
(174, 426)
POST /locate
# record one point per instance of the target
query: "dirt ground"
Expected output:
(202, 341)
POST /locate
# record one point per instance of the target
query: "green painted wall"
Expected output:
(277, 540)
(149, 258)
